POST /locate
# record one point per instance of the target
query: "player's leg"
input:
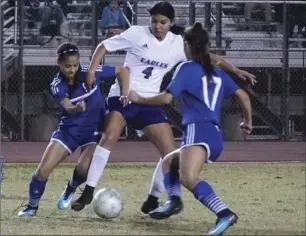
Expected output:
(199, 148)
(159, 132)
(115, 124)
(191, 163)
(79, 175)
(56, 152)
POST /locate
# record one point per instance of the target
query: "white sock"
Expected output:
(97, 165)
(157, 186)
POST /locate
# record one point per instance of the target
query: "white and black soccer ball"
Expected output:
(107, 203)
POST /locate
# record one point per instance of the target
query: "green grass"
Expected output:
(269, 199)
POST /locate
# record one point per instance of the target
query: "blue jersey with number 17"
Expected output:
(201, 96)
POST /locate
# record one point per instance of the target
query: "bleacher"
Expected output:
(254, 49)
(234, 40)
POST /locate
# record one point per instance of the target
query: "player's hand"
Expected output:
(90, 79)
(81, 105)
(244, 75)
(124, 100)
(246, 127)
(133, 96)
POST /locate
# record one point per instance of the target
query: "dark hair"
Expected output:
(67, 49)
(163, 8)
(198, 39)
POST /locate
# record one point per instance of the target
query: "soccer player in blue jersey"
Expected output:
(202, 88)
(82, 113)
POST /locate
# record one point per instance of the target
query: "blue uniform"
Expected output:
(80, 129)
(201, 105)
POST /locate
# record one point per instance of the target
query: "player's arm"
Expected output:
(123, 79)
(69, 107)
(160, 99)
(241, 74)
(176, 87)
(60, 93)
(231, 89)
(109, 72)
(123, 41)
(244, 101)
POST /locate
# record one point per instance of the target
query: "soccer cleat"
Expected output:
(223, 224)
(28, 211)
(85, 199)
(171, 207)
(65, 198)
(149, 205)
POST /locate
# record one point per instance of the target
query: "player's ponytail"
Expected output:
(198, 39)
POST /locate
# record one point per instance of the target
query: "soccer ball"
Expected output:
(107, 203)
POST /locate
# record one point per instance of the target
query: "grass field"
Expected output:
(269, 199)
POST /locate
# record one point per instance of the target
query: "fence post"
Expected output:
(21, 93)
(191, 12)
(219, 27)
(94, 26)
(207, 21)
(1, 66)
(304, 81)
(285, 75)
(135, 8)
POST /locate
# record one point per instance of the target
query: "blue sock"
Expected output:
(172, 184)
(76, 179)
(36, 190)
(206, 195)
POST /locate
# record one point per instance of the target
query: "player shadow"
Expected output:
(176, 226)
(172, 225)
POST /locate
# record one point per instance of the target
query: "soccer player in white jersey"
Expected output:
(152, 51)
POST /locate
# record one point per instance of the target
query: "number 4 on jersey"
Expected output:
(147, 72)
(215, 92)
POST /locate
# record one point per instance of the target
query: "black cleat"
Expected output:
(150, 204)
(171, 207)
(85, 199)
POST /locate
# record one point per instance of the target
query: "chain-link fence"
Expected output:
(266, 38)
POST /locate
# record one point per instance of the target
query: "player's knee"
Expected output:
(110, 137)
(188, 179)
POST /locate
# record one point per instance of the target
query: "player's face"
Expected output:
(187, 50)
(70, 66)
(160, 26)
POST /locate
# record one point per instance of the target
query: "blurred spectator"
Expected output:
(112, 19)
(248, 8)
(64, 6)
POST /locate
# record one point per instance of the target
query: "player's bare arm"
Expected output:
(241, 74)
(245, 103)
(96, 59)
(124, 82)
(124, 79)
(160, 99)
(69, 107)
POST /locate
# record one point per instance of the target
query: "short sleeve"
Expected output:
(122, 41)
(230, 87)
(103, 72)
(106, 72)
(178, 84)
(59, 90)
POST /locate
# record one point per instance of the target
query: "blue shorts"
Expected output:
(204, 134)
(72, 138)
(137, 115)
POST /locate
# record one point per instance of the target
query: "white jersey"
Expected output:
(147, 58)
